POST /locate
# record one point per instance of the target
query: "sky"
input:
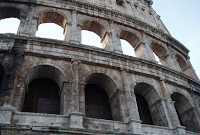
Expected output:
(181, 17)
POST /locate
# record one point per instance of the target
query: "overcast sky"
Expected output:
(182, 19)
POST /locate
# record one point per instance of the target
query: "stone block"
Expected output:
(76, 121)
(135, 127)
(5, 117)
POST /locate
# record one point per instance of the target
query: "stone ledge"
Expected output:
(63, 44)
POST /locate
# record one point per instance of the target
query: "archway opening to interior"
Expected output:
(185, 112)
(129, 41)
(143, 109)
(97, 102)
(51, 25)
(149, 105)
(42, 97)
(182, 63)
(90, 38)
(90, 30)
(44, 90)
(101, 96)
(9, 20)
(160, 53)
(127, 48)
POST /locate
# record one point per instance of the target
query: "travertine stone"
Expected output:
(167, 88)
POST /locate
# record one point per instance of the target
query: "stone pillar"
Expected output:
(170, 111)
(175, 62)
(143, 50)
(67, 32)
(168, 62)
(28, 24)
(115, 39)
(64, 98)
(75, 34)
(134, 119)
(107, 42)
(76, 118)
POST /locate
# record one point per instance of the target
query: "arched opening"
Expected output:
(149, 105)
(94, 29)
(143, 109)
(9, 20)
(43, 90)
(128, 42)
(182, 63)
(90, 38)
(156, 58)
(127, 48)
(51, 25)
(160, 53)
(185, 112)
(100, 100)
(42, 97)
(97, 104)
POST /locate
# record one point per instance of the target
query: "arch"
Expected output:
(182, 63)
(160, 51)
(43, 84)
(146, 95)
(100, 85)
(52, 17)
(98, 29)
(130, 37)
(9, 16)
(132, 40)
(54, 22)
(185, 112)
(8, 12)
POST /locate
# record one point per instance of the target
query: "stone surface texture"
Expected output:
(168, 88)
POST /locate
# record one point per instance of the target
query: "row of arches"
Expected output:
(90, 31)
(45, 84)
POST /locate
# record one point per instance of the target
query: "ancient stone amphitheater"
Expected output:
(63, 87)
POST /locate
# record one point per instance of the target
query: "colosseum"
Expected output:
(64, 87)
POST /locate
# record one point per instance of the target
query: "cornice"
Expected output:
(103, 53)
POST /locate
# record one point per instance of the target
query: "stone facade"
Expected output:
(171, 89)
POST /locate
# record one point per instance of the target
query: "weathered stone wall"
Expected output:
(72, 65)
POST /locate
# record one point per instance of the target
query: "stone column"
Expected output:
(175, 62)
(67, 32)
(75, 34)
(134, 119)
(107, 42)
(28, 24)
(168, 62)
(170, 111)
(115, 39)
(76, 118)
(143, 50)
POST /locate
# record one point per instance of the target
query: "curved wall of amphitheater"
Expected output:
(62, 87)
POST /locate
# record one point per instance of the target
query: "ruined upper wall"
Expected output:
(138, 9)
